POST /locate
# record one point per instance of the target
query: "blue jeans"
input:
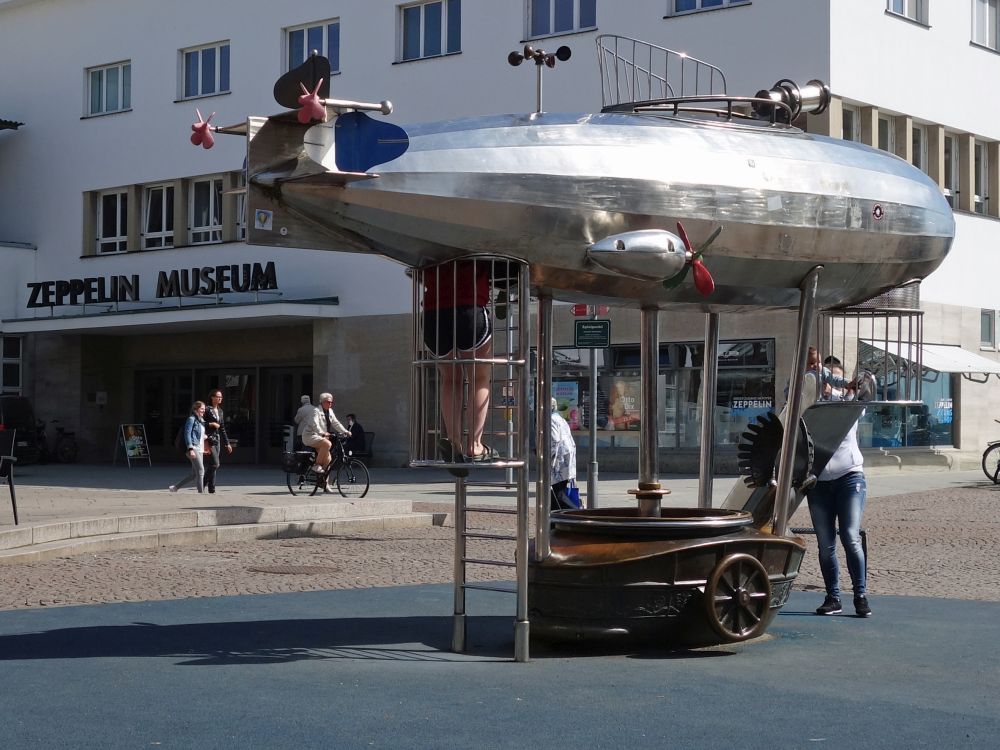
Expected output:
(840, 502)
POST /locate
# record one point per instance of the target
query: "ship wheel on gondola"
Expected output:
(737, 597)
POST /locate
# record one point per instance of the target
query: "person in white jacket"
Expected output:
(320, 427)
(563, 460)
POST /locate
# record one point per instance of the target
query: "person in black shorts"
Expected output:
(457, 326)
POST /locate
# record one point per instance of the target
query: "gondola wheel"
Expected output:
(737, 597)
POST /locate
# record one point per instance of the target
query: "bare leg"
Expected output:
(480, 400)
(322, 452)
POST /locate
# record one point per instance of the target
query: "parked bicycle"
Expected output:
(62, 448)
(991, 460)
(348, 474)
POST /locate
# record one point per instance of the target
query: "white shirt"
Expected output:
(563, 450)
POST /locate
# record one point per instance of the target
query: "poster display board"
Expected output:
(133, 444)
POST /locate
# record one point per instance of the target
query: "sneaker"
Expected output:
(861, 607)
(171, 488)
(830, 606)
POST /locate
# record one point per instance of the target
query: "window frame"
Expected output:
(987, 319)
(885, 138)
(950, 171)
(165, 235)
(8, 360)
(123, 89)
(986, 31)
(981, 175)
(919, 148)
(450, 11)
(214, 229)
(119, 240)
(700, 7)
(577, 25)
(855, 117)
(220, 76)
(912, 10)
(327, 38)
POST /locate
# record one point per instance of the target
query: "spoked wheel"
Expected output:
(296, 482)
(737, 597)
(991, 463)
(352, 479)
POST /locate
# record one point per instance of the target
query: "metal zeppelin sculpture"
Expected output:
(600, 208)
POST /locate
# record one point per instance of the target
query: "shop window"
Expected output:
(205, 70)
(915, 10)
(430, 29)
(109, 88)
(112, 221)
(10, 366)
(985, 22)
(205, 210)
(320, 36)
(548, 17)
(158, 217)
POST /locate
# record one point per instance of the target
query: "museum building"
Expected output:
(129, 291)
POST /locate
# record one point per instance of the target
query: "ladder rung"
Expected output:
(488, 587)
(498, 563)
(501, 485)
(502, 511)
(501, 537)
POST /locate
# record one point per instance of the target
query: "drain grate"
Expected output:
(292, 570)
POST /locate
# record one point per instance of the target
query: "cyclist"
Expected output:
(320, 428)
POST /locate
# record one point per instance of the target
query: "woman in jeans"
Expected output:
(194, 439)
(838, 499)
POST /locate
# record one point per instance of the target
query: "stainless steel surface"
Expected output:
(458, 620)
(807, 315)
(592, 473)
(787, 201)
(649, 471)
(709, 386)
(645, 255)
(523, 390)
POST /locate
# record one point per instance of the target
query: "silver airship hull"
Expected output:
(546, 187)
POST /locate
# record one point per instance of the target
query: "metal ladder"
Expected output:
(507, 359)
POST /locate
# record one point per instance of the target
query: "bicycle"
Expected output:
(347, 473)
(63, 447)
(991, 460)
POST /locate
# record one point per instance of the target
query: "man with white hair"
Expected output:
(301, 417)
(320, 427)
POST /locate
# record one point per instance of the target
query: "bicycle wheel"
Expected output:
(66, 451)
(352, 479)
(991, 463)
(295, 481)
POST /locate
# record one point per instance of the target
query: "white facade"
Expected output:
(925, 72)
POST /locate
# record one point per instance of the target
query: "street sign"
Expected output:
(592, 334)
(580, 311)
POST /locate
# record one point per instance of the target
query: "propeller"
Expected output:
(201, 131)
(311, 106)
(703, 280)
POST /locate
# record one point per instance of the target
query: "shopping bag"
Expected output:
(573, 494)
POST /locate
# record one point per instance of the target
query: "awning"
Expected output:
(180, 319)
(941, 357)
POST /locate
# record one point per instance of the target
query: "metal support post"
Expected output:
(648, 494)
(543, 426)
(807, 315)
(458, 622)
(521, 624)
(709, 384)
(592, 470)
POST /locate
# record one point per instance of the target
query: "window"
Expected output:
(950, 169)
(109, 88)
(430, 29)
(322, 36)
(112, 221)
(206, 210)
(685, 6)
(919, 142)
(852, 124)
(887, 133)
(987, 329)
(561, 16)
(206, 70)
(10, 366)
(984, 23)
(241, 207)
(915, 10)
(981, 175)
(158, 217)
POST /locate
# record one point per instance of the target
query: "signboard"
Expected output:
(133, 443)
(592, 334)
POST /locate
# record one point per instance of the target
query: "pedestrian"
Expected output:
(563, 460)
(215, 437)
(303, 415)
(194, 439)
(457, 325)
(356, 442)
(837, 500)
(320, 428)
